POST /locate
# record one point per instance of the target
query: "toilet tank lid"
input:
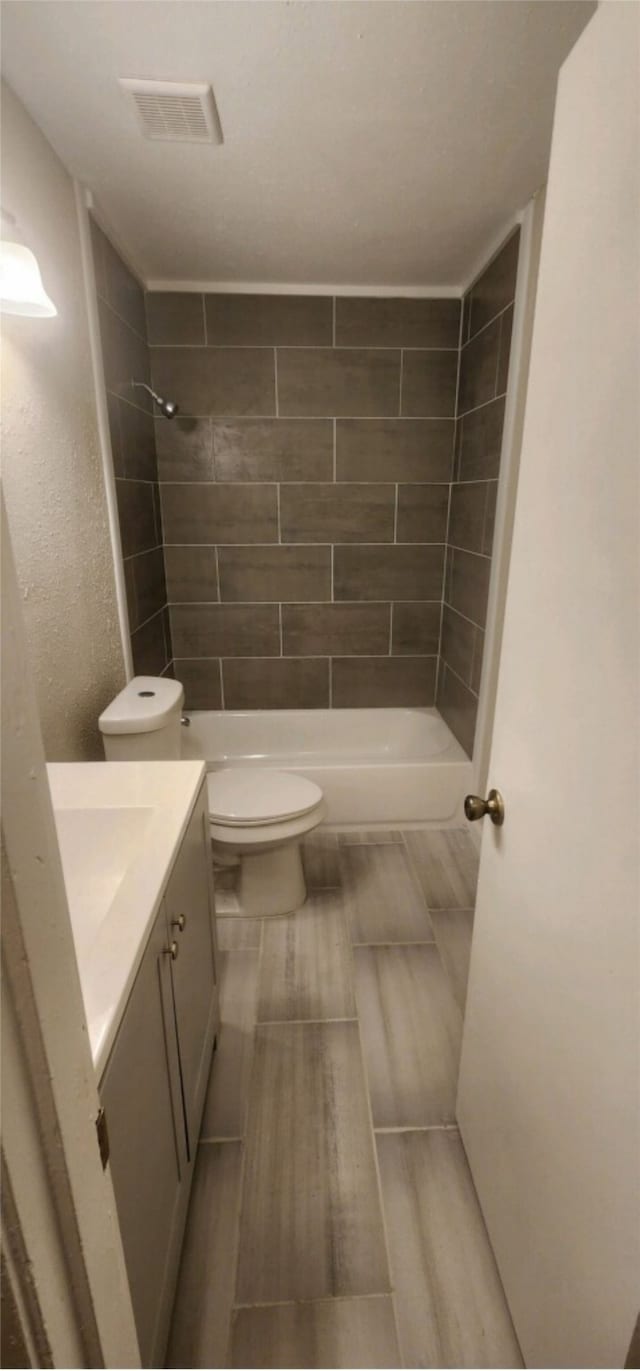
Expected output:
(144, 705)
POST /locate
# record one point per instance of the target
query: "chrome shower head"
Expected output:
(169, 408)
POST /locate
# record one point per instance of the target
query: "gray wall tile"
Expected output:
(273, 449)
(458, 707)
(149, 648)
(236, 630)
(388, 573)
(149, 582)
(467, 586)
(136, 516)
(335, 630)
(138, 445)
(276, 683)
(458, 643)
(480, 442)
(269, 320)
(125, 357)
(201, 681)
(416, 628)
(220, 513)
(383, 681)
(479, 368)
(175, 317)
(429, 383)
(337, 513)
(422, 513)
(192, 573)
(506, 327)
(202, 381)
(184, 448)
(496, 287)
(466, 519)
(398, 322)
(394, 449)
(338, 381)
(275, 573)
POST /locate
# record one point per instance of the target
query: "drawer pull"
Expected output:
(179, 923)
(172, 950)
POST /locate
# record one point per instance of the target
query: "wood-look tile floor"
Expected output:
(333, 1218)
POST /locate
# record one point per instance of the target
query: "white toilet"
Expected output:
(258, 816)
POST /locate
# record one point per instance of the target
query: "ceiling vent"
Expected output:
(174, 112)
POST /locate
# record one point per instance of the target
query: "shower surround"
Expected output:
(326, 493)
(305, 493)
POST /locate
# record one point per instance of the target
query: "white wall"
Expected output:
(52, 471)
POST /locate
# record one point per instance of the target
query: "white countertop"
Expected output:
(120, 825)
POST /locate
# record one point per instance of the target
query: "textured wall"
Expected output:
(52, 471)
(484, 364)
(304, 494)
(125, 357)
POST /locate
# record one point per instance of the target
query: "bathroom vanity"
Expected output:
(136, 853)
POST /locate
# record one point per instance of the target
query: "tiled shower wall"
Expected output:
(305, 491)
(323, 506)
(484, 363)
(125, 356)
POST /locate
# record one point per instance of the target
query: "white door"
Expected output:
(549, 1086)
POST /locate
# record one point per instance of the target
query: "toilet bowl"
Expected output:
(258, 816)
(258, 819)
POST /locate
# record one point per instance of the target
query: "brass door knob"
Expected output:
(179, 923)
(172, 950)
(476, 808)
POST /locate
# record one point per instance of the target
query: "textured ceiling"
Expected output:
(364, 143)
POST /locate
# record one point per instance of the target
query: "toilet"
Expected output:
(258, 816)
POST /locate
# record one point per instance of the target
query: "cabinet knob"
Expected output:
(179, 923)
(172, 950)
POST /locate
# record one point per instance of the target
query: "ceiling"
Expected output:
(365, 143)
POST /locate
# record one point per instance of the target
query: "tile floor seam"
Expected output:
(385, 1235)
(286, 1023)
(319, 1299)
(236, 1255)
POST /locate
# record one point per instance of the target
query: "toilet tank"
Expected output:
(143, 722)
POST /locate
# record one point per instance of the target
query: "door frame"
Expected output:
(530, 220)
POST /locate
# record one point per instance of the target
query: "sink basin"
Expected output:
(97, 846)
(119, 827)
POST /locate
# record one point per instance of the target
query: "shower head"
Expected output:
(168, 408)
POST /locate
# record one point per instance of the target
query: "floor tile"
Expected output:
(305, 970)
(311, 1224)
(238, 935)
(411, 1032)
(200, 1325)
(353, 837)
(446, 864)
(454, 930)
(346, 1333)
(225, 1105)
(450, 1304)
(320, 860)
(382, 899)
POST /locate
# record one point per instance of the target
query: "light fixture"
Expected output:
(21, 288)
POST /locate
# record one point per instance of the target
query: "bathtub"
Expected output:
(375, 766)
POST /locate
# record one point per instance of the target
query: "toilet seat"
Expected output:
(252, 797)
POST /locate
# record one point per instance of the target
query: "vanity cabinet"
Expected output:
(154, 1084)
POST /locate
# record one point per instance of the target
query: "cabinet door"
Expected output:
(138, 1091)
(190, 898)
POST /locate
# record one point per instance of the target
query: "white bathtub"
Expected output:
(375, 766)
